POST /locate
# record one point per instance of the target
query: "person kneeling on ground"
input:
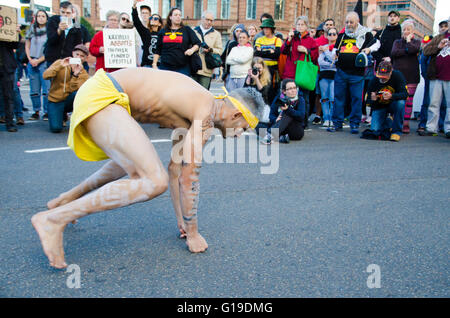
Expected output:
(286, 114)
(388, 94)
(67, 76)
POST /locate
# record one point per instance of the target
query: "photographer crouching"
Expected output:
(66, 75)
(286, 114)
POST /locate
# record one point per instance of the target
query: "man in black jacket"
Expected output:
(8, 65)
(387, 93)
(63, 34)
(387, 36)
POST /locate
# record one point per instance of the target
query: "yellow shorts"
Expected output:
(95, 94)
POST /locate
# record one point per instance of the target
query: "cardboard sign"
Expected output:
(120, 49)
(8, 24)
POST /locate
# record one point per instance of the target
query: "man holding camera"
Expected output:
(67, 76)
(211, 44)
(63, 34)
(388, 94)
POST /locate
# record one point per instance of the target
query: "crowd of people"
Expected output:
(361, 75)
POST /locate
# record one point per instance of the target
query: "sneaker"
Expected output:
(25, 109)
(427, 133)
(267, 140)
(420, 129)
(45, 117)
(20, 121)
(284, 139)
(334, 129)
(35, 116)
(447, 135)
(2, 120)
(395, 137)
(345, 125)
(354, 130)
(317, 120)
(12, 129)
(326, 123)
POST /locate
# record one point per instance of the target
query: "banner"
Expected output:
(8, 24)
(120, 49)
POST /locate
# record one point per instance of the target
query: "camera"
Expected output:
(75, 60)
(204, 45)
(255, 71)
(296, 33)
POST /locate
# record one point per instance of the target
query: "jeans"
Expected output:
(38, 86)
(379, 116)
(347, 84)
(7, 96)
(57, 112)
(327, 97)
(439, 90)
(425, 103)
(290, 126)
(186, 70)
(233, 83)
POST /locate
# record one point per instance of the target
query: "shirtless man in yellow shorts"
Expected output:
(104, 125)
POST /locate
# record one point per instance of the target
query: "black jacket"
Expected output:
(7, 56)
(387, 36)
(61, 46)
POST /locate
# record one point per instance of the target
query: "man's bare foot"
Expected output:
(196, 243)
(51, 236)
(60, 200)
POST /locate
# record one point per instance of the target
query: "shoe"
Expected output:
(25, 109)
(12, 129)
(395, 137)
(326, 123)
(354, 130)
(334, 129)
(20, 121)
(45, 117)
(284, 139)
(447, 135)
(267, 140)
(420, 129)
(35, 116)
(2, 120)
(317, 121)
(405, 128)
(427, 133)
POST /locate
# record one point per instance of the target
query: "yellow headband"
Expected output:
(251, 119)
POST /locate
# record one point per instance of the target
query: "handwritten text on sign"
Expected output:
(120, 48)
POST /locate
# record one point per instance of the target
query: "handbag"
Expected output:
(212, 60)
(195, 63)
(306, 73)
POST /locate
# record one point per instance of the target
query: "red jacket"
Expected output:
(94, 49)
(290, 49)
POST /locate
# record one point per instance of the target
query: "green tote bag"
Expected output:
(306, 74)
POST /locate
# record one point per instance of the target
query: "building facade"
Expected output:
(375, 12)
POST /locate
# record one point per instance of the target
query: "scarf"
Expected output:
(359, 34)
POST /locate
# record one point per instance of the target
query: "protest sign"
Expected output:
(120, 50)
(8, 24)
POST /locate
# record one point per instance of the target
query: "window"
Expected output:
(87, 8)
(279, 10)
(179, 5)
(212, 7)
(251, 10)
(225, 10)
(198, 9)
(165, 8)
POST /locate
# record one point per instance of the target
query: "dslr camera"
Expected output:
(204, 45)
(296, 33)
(255, 71)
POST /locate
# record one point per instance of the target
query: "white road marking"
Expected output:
(67, 148)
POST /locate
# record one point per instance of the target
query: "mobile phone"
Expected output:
(75, 60)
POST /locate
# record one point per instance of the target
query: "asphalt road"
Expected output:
(336, 205)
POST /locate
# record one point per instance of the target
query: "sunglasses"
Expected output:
(125, 19)
(331, 34)
(155, 18)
